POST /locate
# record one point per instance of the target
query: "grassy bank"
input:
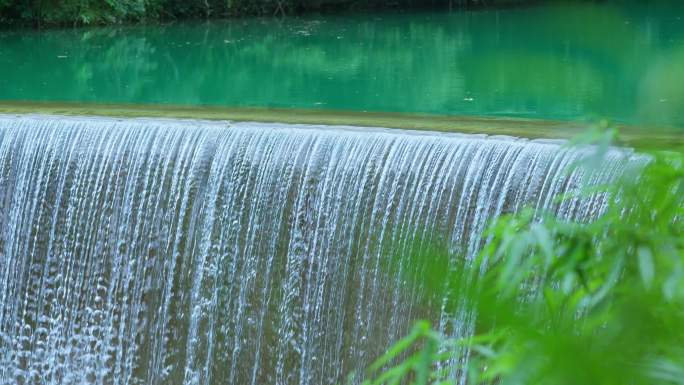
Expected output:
(638, 137)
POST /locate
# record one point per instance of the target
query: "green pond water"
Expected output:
(623, 62)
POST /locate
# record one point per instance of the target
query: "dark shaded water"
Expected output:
(566, 61)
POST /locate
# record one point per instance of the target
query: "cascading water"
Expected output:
(140, 251)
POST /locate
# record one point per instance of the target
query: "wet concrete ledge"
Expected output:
(639, 137)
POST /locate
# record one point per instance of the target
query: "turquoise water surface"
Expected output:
(563, 61)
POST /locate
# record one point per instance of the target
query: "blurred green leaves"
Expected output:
(566, 303)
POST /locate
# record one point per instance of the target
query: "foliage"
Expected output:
(85, 12)
(562, 302)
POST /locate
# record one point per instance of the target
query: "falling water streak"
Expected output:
(167, 251)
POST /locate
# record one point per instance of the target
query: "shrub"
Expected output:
(561, 302)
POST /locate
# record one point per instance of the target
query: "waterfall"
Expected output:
(153, 251)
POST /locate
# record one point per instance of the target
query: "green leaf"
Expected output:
(419, 330)
(646, 265)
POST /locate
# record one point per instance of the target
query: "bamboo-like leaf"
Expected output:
(419, 330)
(646, 265)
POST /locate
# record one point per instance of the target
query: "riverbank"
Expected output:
(96, 12)
(634, 136)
